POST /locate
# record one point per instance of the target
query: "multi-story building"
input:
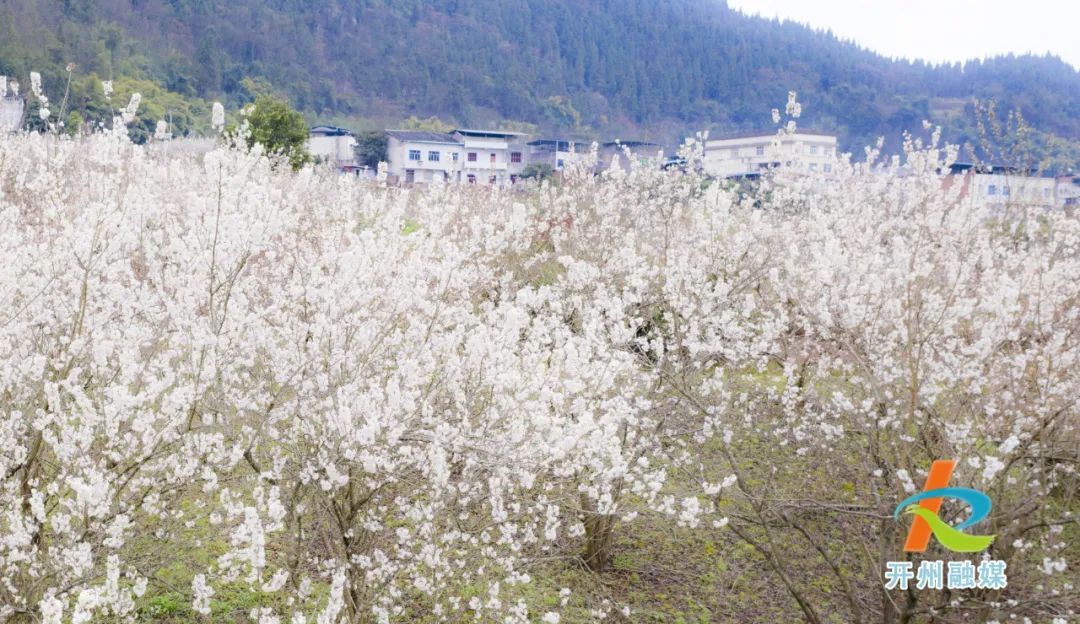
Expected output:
(469, 156)
(333, 145)
(491, 156)
(754, 153)
(421, 157)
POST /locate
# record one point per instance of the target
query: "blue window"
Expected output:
(414, 155)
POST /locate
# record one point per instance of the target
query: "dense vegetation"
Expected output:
(234, 393)
(601, 67)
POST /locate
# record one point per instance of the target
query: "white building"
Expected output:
(421, 157)
(491, 156)
(469, 156)
(747, 154)
(1003, 188)
(333, 145)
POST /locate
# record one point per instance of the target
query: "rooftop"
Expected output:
(330, 131)
(422, 136)
(988, 168)
(491, 134)
(768, 134)
(562, 145)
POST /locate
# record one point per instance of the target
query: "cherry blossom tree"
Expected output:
(351, 402)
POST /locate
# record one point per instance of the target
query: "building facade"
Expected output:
(333, 145)
(1002, 189)
(750, 154)
(491, 156)
(12, 113)
(1067, 191)
(467, 156)
(420, 157)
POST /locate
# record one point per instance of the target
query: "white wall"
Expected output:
(11, 113)
(484, 168)
(739, 156)
(503, 170)
(335, 149)
(424, 170)
(1001, 191)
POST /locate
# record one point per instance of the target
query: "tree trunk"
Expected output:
(599, 534)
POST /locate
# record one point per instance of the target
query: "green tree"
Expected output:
(370, 148)
(561, 112)
(281, 130)
(34, 122)
(254, 88)
(74, 123)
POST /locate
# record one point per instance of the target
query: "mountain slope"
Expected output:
(658, 69)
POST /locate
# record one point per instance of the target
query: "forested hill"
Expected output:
(600, 67)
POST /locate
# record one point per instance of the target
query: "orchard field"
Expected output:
(234, 393)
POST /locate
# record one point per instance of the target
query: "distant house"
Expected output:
(421, 157)
(333, 145)
(1067, 191)
(12, 112)
(557, 153)
(491, 156)
(622, 153)
(468, 156)
(1002, 188)
(738, 155)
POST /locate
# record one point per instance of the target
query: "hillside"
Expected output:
(594, 68)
